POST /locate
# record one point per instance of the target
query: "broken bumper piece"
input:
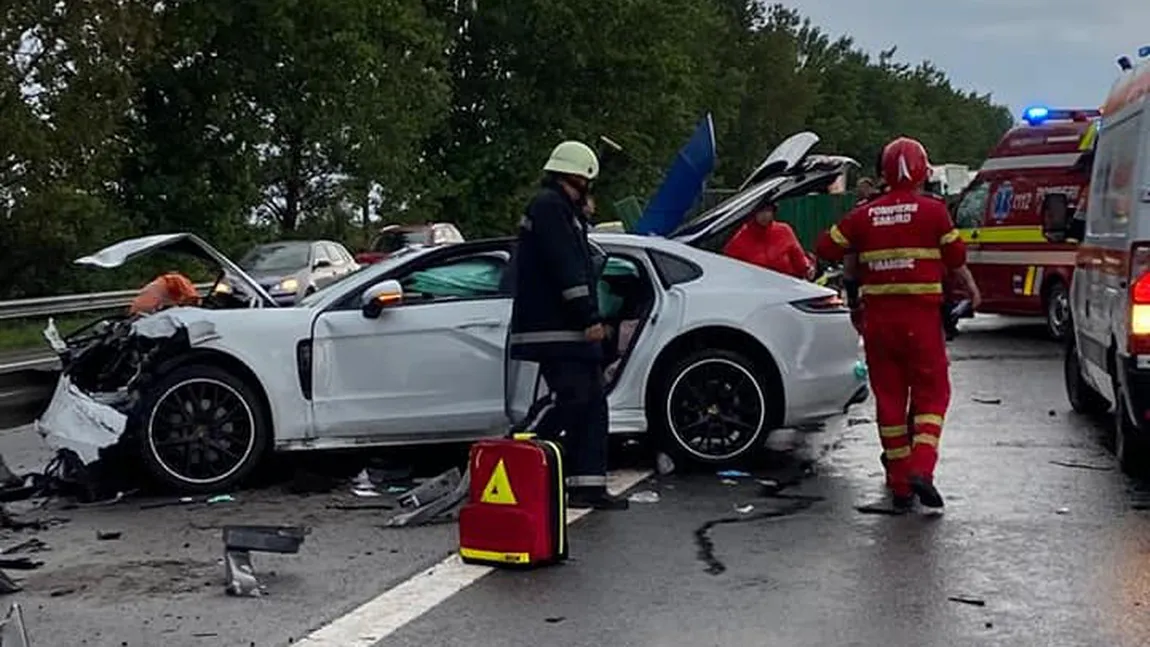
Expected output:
(75, 420)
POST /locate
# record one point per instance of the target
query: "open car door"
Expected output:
(522, 382)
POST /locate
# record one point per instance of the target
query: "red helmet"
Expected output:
(905, 164)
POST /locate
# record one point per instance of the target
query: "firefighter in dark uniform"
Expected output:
(555, 320)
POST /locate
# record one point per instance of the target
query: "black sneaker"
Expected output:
(596, 501)
(927, 494)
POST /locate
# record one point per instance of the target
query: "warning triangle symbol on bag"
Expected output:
(498, 489)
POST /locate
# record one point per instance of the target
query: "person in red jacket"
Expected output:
(906, 242)
(768, 243)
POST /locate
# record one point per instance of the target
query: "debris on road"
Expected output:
(167, 503)
(1062, 511)
(363, 486)
(8, 585)
(706, 545)
(432, 490)
(664, 464)
(983, 400)
(1083, 466)
(109, 535)
(733, 474)
(358, 506)
(241, 541)
(33, 545)
(221, 498)
(20, 564)
(962, 599)
(854, 422)
(555, 619)
(745, 509)
(769, 487)
(644, 497)
(433, 500)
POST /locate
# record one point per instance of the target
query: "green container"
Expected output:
(629, 210)
(810, 215)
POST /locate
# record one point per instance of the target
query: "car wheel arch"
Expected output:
(225, 362)
(727, 338)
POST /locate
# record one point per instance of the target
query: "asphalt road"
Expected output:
(1045, 540)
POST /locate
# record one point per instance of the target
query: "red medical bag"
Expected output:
(516, 514)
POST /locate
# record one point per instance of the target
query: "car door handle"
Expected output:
(480, 323)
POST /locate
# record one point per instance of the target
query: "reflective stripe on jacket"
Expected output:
(905, 243)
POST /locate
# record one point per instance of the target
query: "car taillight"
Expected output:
(1139, 339)
(820, 305)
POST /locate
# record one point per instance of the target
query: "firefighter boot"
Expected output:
(595, 498)
(928, 495)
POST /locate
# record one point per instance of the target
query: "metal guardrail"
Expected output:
(71, 303)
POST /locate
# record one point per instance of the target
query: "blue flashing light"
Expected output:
(1035, 115)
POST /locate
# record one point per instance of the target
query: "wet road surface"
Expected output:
(1041, 529)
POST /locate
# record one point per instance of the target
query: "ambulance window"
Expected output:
(972, 206)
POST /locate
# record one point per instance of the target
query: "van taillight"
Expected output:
(1139, 339)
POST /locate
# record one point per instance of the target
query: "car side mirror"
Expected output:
(321, 263)
(1055, 216)
(379, 297)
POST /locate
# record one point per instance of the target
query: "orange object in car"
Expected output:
(165, 291)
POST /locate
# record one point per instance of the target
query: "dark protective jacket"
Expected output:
(556, 280)
(905, 243)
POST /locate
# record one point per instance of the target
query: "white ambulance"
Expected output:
(1108, 354)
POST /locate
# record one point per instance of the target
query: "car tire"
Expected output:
(727, 391)
(1130, 444)
(1083, 398)
(223, 420)
(1056, 306)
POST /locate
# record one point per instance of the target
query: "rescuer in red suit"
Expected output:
(766, 242)
(905, 243)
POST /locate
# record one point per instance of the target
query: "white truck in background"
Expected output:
(949, 179)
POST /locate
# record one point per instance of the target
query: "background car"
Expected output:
(292, 268)
(708, 353)
(393, 238)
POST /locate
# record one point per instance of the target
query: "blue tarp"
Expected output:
(683, 184)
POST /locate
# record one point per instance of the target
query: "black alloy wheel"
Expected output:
(205, 430)
(716, 409)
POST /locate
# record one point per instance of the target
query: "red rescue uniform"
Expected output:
(773, 246)
(905, 243)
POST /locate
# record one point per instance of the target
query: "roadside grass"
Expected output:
(27, 334)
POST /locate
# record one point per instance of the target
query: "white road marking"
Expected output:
(387, 613)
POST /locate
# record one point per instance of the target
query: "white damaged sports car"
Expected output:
(707, 352)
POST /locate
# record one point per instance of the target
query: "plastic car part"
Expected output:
(436, 488)
(430, 508)
(241, 541)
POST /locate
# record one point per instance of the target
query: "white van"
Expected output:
(1108, 355)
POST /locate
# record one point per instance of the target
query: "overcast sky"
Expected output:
(1059, 53)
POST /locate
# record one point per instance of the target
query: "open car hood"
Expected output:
(784, 158)
(184, 243)
(811, 174)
